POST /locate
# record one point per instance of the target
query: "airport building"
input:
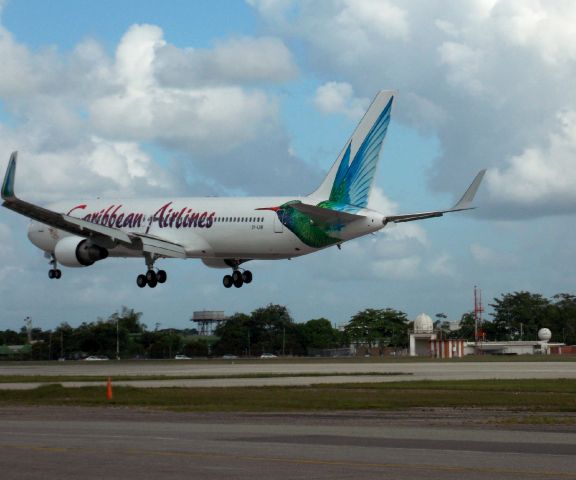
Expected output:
(424, 341)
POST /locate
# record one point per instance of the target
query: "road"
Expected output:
(327, 369)
(73, 443)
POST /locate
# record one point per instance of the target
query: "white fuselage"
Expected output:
(208, 228)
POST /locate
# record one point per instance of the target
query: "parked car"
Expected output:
(268, 355)
(229, 357)
(182, 357)
(96, 358)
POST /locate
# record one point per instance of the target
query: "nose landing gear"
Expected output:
(54, 272)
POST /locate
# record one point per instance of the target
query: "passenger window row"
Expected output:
(239, 219)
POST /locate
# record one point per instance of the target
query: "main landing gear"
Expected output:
(152, 277)
(237, 278)
(54, 272)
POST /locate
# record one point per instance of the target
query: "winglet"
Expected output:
(466, 201)
(8, 184)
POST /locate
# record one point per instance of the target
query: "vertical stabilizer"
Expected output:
(351, 177)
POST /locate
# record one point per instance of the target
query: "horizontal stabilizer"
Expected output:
(326, 215)
(465, 203)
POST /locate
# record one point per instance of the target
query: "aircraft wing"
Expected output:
(82, 228)
(465, 203)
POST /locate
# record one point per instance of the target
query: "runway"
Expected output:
(72, 443)
(322, 371)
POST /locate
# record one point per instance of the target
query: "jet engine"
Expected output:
(75, 251)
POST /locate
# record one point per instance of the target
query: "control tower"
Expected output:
(208, 320)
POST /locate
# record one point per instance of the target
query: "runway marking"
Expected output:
(297, 461)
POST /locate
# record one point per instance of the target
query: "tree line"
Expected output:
(271, 329)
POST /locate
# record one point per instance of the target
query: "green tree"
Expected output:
(382, 328)
(563, 321)
(319, 334)
(519, 315)
(234, 336)
(466, 329)
(267, 329)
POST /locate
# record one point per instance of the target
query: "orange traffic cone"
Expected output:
(109, 389)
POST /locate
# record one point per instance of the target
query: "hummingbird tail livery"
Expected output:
(223, 232)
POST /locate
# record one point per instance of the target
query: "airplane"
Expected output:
(223, 232)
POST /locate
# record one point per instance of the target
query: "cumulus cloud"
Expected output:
(91, 116)
(488, 257)
(489, 78)
(243, 59)
(541, 177)
(338, 97)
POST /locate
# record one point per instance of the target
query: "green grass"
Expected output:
(514, 395)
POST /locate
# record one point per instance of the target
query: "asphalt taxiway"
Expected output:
(73, 443)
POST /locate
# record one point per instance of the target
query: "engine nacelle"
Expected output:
(78, 252)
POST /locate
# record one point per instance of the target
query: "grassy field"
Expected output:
(514, 395)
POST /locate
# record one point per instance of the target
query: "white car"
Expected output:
(182, 357)
(96, 358)
(268, 355)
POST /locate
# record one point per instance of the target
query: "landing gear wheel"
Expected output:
(57, 273)
(141, 281)
(247, 276)
(51, 273)
(227, 281)
(161, 276)
(152, 283)
(237, 279)
(151, 277)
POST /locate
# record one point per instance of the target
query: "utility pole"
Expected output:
(117, 338)
(478, 309)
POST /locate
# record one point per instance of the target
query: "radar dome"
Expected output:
(423, 324)
(544, 334)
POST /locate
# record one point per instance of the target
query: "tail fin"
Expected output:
(349, 181)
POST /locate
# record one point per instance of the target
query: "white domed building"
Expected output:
(422, 336)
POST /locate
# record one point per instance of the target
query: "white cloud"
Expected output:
(338, 97)
(540, 176)
(463, 64)
(546, 27)
(488, 257)
(237, 60)
(489, 78)
(442, 265)
(397, 268)
(88, 115)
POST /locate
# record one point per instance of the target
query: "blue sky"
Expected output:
(101, 100)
